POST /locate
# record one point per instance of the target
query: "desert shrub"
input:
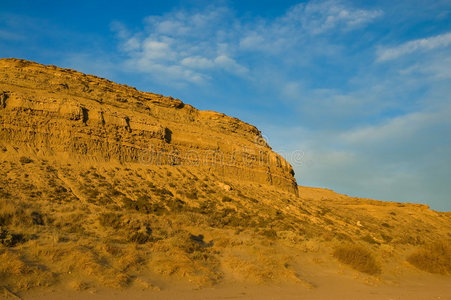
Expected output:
(143, 204)
(407, 239)
(25, 160)
(91, 193)
(113, 192)
(343, 237)
(7, 212)
(183, 240)
(37, 218)
(139, 238)
(226, 199)
(191, 195)
(18, 275)
(260, 265)
(228, 217)
(241, 220)
(200, 240)
(131, 259)
(176, 205)
(207, 207)
(10, 239)
(200, 269)
(387, 238)
(150, 185)
(5, 219)
(327, 221)
(110, 220)
(162, 192)
(186, 256)
(270, 234)
(253, 200)
(358, 257)
(433, 258)
(69, 223)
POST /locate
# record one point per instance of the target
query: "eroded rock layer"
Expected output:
(53, 110)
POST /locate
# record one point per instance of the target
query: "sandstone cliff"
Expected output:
(53, 110)
(103, 186)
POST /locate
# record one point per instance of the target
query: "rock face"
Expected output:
(52, 111)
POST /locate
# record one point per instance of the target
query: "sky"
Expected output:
(355, 94)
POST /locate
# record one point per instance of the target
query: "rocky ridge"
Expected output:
(53, 110)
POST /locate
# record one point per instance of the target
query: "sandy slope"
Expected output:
(82, 215)
(328, 287)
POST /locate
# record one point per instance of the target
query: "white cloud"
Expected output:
(154, 50)
(252, 41)
(302, 23)
(197, 62)
(212, 40)
(318, 17)
(365, 130)
(230, 64)
(425, 44)
(182, 47)
(437, 67)
(405, 158)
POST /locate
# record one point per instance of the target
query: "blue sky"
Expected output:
(355, 94)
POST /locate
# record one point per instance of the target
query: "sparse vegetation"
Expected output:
(9, 239)
(25, 160)
(433, 258)
(358, 257)
(110, 226)
(112, 220)
(227, 199)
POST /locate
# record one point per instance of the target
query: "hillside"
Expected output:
(107, 187)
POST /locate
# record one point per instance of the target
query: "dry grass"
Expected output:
(182, 257)
(198, 268)
(147, 230)
(433, 258)
(17, 274)
(358, 257)
(258, 263)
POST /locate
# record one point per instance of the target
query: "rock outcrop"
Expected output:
(52, 110)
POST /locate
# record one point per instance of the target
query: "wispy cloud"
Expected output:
(425, 44)
(318, 17)
(193, 46)
(183, 46)
(404, 158)
(302, 23)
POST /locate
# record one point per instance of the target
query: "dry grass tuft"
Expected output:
(358, 257)
(259, 264)
(182, 256)
(17, 274)
(433, 258)
(198, 268)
